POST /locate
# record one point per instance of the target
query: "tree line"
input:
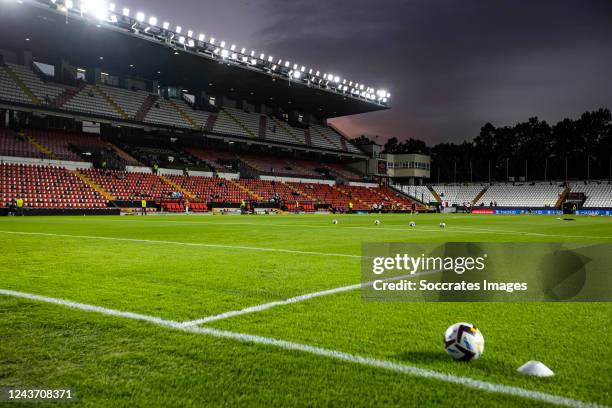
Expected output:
(572, 149)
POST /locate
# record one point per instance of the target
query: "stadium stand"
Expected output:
(421, 193)
(127, 185)
(46, 187)
(522, 195)
(598, 193)
(59, 143)
(21, 84)
(457, 194)
(45, 93)
(215, 190)
(16, 144)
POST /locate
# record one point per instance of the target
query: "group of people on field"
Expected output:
(15, 206)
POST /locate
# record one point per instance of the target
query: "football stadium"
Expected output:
(182, 224)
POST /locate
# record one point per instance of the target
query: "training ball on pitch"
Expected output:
(377, 222)
(442, 225)
(334, 221)
(463, 342)
(412, 224)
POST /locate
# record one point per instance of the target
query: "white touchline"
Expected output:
(194, 244)
(296, 299)
(334, 354)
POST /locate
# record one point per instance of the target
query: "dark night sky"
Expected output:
(450, 65)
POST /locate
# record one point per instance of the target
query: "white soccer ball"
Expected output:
(463, 342)
(334, 221)
(412, 224)
(442, 225)
(377, 222)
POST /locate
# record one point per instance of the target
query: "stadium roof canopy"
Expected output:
(134, 47)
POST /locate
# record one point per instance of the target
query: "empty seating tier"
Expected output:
(46, 187)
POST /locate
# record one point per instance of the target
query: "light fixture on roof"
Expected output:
(201, 37)
(222, 44)
(178, 29)
(297, 74)
(212, 40)
(270, 58)
(337, 79)
(182, 39)
(126, 12)
(190, 33)
(224, 53)
(262, 56)
(111, 7)
(140, 16)
(252, 53)
(287, 63)
(166, 25)
(68, 4)
(243, 50)
(153, 20)
(233, 47)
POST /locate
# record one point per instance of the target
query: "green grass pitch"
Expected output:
(114, 361)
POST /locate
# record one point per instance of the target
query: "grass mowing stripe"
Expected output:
(334, 354)
(296, 299)
(194, 244)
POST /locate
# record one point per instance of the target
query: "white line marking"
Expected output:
(296, 299)
(334, 354)
(193, 244)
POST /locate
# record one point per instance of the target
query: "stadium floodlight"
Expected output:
(153, 21)
(270, 58)
(303, 68)
(68, 4)
(191, 43)
(274, 67)
(140, 16)
(297, 74)
(212, 40)
(126, 12)
(317, 73)
(262, 56)
(245, 59)
(384, 100)
(216, 51)
(202, 37)
(242, 51)
(182, 39)
(253, 61)
(224, 53)
(111, 7)
(388, 95)
(233, 47)
(234, 56)
(166, 25)
(252, 53)
(287, 63)
(178, 29)
(337, 79)
(222, 44)
(189, 33)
